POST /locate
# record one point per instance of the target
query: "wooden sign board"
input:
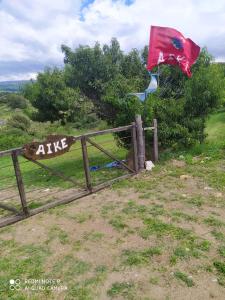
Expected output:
(53, 146)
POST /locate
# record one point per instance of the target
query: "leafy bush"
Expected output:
(174, 128)
(15, 101)
(19, 121)
(39, 130)
(13, 138)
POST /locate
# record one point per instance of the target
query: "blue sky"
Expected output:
(32, 31)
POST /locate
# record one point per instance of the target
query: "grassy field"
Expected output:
(42, 186)
(159, 235)
(216, 127)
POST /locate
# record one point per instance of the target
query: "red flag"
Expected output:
(169, 46)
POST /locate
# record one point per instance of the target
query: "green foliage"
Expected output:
(88, 68)
(215, 128)
(124, 289)
(16, 132)
(169, 113)
(118, 223)
(12, 138)
(15, 101)
(30, 90)
(19, 121)
(183, 277)
(117, 108)
(180, 105)
(220, 267)
(159, 228)
(203, 91)
(172, 82)
(175, 129)
(135, 258)
(211, 221)
(52, 96)
(221, 251)
(54, 100)
(98, 80)
(105, 75)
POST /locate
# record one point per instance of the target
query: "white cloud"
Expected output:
(18, 76)
(33, 31)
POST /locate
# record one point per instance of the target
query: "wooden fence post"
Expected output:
(86, 163)
(20, 184)
(140, 143)
(134, 144)
(155, 141)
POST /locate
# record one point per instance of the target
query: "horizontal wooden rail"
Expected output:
(111, 130)
(8, 207)
(9, 152)
(13, 219)
(78, 137)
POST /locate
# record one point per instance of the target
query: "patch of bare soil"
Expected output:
(95, 232)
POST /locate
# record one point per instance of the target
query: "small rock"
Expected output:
(181, 157)
(185, 177)
(207, 158)
(178, 163)
(190, 276)
(187, 249)
(172, 273)
(202, 161)
(218, 195)
(214, 280)
(149, 165)
(184, 195)
(195, 159)
(46, 190)
(208, 188)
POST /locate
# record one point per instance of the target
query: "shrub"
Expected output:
(174, 129)
(13, 138)
(16, 101)
(19, 121)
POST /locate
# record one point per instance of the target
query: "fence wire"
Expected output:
(39, 195)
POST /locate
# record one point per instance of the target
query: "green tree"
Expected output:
(203, 92)
(54, 100)
(87, 69)
(118, 108)
(50, 95)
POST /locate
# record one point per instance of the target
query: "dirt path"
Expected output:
(160, 235)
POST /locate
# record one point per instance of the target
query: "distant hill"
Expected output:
(12, 86)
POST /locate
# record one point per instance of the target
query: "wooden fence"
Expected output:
(15, 197)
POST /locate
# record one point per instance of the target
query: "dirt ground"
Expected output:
(159, 235)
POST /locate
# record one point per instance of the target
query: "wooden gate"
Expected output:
(18, 189)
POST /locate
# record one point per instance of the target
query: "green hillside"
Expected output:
(12, 86)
